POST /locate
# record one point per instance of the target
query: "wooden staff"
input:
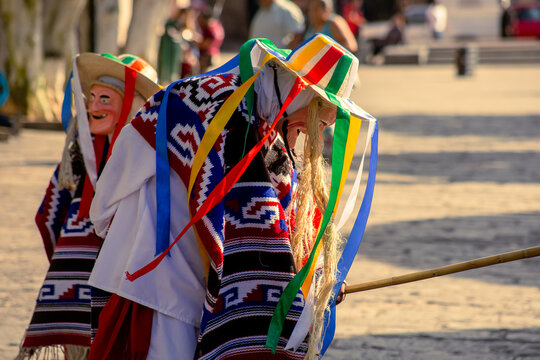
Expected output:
(445, 270)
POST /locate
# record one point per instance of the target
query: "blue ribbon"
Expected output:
(67, 115)
(4, 89)
(351, 248)
(163, 172)
(163, 186)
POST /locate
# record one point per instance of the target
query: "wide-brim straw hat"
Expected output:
(92, 67)
(328, 68)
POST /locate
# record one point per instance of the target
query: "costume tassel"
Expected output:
(65, 175)
(55, 352)
(74, 352)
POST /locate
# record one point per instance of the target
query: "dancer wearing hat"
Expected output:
(107, 92)
(216, 220)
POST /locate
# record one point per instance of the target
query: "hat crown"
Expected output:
(136, 63)
(321, 62)
(92, 66)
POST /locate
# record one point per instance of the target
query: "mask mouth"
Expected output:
(99, 117)
(326, 123)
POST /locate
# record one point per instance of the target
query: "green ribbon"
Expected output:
(275, 329)
(338, 155)
(246, 72)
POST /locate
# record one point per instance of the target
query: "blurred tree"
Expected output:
(106, 26)
(38, 40)
(147, 18)
(60, 43)
(22, 58)
(35, 32)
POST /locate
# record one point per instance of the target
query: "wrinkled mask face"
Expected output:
(104, 107)
(297, 122)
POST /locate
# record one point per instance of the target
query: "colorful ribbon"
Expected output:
(287, 297)
(303, 325)
(163, 186)
(4, 88)
(163, 172)
(353, 243)
(223, 187)
(67, 115)
(218, 124)
(130, 76)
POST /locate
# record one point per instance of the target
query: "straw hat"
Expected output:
(107, 70)
(328, 68)
(93, 66)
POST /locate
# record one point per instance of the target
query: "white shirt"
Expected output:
(436, 16)
(126, 194)
(279, 23)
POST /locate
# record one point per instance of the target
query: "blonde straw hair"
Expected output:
(65, 174)
(313, 193)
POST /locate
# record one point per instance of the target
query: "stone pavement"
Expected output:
(458, 178)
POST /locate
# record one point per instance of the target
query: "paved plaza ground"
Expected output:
(458, 178)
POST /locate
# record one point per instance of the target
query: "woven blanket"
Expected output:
(62, 315)
(247, 233)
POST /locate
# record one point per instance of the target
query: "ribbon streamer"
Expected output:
(163, 171)
(287, 297)
(223, 187)
(130, 76)
(163, 213)
(351, 248)
(67, 115)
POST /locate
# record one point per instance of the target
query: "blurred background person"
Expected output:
(303, 5)
(323, 19)
(281, 21)
(436, 17)
(506, 19)
(211, 37)
(178, 55)
(394, 36)
(353, 14)
(170, 48)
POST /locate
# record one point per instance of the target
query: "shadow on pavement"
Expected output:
(480, 344)
(459, 125)
(448, 167)
(437, 242)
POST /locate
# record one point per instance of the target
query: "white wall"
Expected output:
(476, 18)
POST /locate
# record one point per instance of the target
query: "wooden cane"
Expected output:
(445, 270)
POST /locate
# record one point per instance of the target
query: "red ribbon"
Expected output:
(221, 189)
(130, 76)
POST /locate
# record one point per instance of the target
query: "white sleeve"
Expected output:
(294, 20)
(131, 164)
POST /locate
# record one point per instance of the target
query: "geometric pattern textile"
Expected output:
(247, 234)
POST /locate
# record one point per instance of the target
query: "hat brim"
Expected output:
(282, 61)
(92, 66)
(345, 104)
